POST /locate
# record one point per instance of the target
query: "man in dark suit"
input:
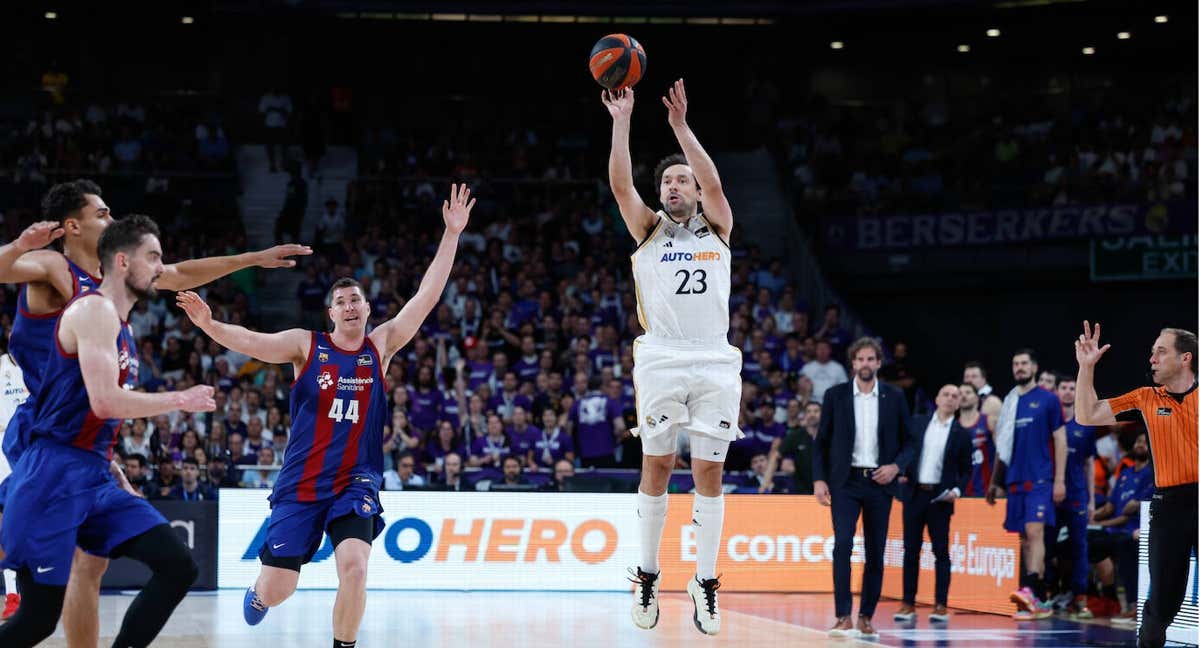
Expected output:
(928, 490)
(865, 441)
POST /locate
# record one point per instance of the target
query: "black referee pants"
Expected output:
(1173, 528)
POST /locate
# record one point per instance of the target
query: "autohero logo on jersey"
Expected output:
(679, 257)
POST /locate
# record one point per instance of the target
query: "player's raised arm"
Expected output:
(716, 207)
(90, 327)
(197, 272)
(1089, 409)
(23, 261)
(396, 332)
(277, 348)
(639, 218)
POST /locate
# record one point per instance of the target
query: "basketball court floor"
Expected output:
(552, 619)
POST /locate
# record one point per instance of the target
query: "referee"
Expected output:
(1170, 414)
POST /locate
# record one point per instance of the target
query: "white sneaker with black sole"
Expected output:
(645, 599)
(707, 615)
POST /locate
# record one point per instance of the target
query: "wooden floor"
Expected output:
(509, 619)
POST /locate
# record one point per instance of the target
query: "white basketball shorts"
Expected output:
(687, 386)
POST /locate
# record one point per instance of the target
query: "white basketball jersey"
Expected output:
(12, 394)
(681, 275)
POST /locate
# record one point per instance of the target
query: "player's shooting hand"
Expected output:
(197, 399)
(457, 210)
(38, 236)
(197, 310)
(277, 257)
(676, 103)
(1087, 347)
(618, 102)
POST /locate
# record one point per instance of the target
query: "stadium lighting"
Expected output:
(993, 33)
(1124, 36)
(963, 49)
(187, 20)
(837, 45)
(50, 15)
(1160, 19)
(1088, 51)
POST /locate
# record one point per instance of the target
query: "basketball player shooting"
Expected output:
(333, 468)
(686, 375)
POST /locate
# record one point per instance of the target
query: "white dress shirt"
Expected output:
(866, 427)
(933, 450)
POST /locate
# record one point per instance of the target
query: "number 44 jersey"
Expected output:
(339, 407)
(681, 274)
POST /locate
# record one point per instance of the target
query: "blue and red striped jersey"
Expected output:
(983, 456)
(339, 408)
(32, 344)
(64, 413)
(33, 335)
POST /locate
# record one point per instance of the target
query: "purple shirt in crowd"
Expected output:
(593, 415)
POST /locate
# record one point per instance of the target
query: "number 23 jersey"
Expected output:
(339, 407)
(681, 275)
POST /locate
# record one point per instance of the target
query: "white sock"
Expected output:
(652, 517)
(708, 516)
(10, 581)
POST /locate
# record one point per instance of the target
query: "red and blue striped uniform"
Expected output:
(63, 412)
(339, 408)
(61, 494)
(31, 345)
(983, 457)
(333, 466)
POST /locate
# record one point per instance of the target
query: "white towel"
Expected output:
(1006, 425)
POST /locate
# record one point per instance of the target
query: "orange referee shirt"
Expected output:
(1172, 429)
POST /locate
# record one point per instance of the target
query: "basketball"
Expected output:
(617, 61)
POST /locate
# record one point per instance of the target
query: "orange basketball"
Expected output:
(617, 61)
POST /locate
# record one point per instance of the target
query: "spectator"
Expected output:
(553, 443)
(135, 472)
(264, 473)
(219, 475)
(135, 440)
(824, 371)
(563, 470)
(898, 373)
(831, 330)
(756, 477)
(238, 454)
(331, 229)
(295, 202)
(404, 476)
(189, 488)
(450, 477)
(166, 480)
(276, 109)
(486, 451)
(512, 474)
(792, 455)
(597, 424)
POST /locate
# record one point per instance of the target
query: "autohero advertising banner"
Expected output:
(586, 542)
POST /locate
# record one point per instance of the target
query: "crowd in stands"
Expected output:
(984, 153)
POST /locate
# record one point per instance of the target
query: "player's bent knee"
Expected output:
(87, 568)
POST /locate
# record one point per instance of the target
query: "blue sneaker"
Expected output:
(253, 609)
